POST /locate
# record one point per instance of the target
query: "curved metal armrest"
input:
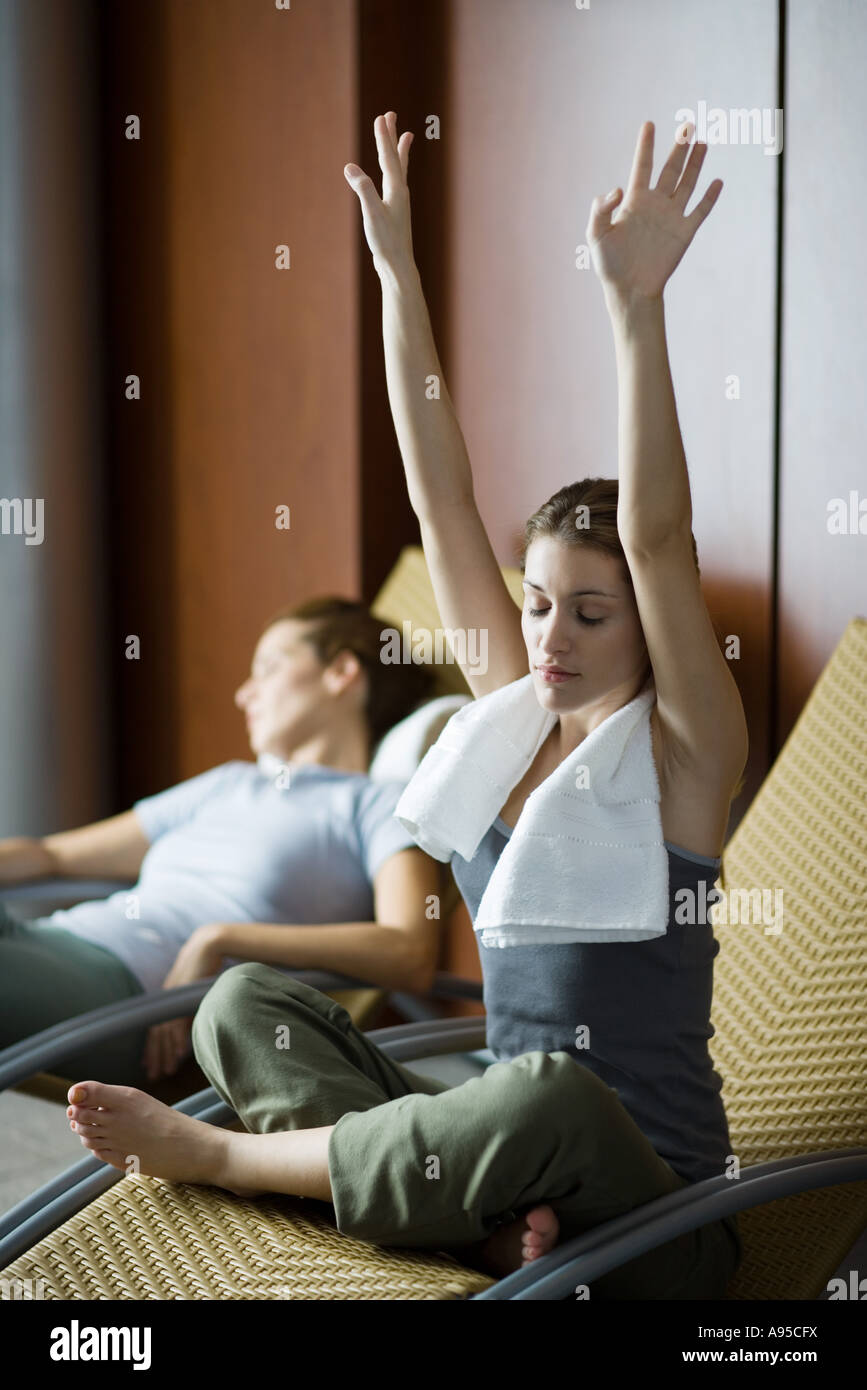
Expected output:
(62, 892)
(36, 1053)
(47, 1208)
(607, 1247)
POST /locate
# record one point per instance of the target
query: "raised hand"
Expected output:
(636, 252)
(387, 223)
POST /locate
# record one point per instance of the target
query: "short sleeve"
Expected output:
(380, 834)
(167, 810)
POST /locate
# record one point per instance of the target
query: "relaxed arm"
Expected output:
(112, 848)
(399, 950)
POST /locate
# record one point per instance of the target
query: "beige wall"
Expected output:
(546, 103)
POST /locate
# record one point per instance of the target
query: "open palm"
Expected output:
(387, 222)
(637, 251)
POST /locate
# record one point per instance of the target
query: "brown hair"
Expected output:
(340, 624)
(557, 518)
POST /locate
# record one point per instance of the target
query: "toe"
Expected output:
(79, 1093)
(94, 1093)
(84, 1116)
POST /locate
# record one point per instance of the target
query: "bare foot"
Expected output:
(120, 1124)
(523, 1240)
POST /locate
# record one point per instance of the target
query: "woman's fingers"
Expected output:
(671, 170)
(149, 1056)
(701, 210)
(361, 183)
(169, 1059)
(403, 150)
(682, 194)
(642, 163)
(154, 1054)
(166, 1044)
(182, 1037)
(385, 128)
(601, 210)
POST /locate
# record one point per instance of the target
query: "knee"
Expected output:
(251, 994)
(231, 996)
(557, 1091)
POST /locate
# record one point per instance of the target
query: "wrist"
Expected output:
(23, 858)
(399, 277)
(630, 305)
(212, 936)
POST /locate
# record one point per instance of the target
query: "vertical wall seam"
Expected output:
(774, 658)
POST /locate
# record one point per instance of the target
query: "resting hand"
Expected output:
(387, 223)
(169, 1043)
(636, 253)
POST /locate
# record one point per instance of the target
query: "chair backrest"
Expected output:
(790, 986)
(407, 596)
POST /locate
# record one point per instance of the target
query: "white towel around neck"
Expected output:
(587, 859)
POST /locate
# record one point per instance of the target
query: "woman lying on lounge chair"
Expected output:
(595, 769)
(303, 837)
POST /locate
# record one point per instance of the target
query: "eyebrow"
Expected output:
(576, 593)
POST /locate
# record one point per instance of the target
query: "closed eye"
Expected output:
(590, 622)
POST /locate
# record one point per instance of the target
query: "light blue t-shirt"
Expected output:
(237, 845)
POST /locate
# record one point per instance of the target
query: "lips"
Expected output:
(555, 674)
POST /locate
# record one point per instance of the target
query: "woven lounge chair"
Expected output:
(790, 1044)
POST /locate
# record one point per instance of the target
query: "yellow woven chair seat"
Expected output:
(149, 1239)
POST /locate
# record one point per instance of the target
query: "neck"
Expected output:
(346, 749)
(576, 725)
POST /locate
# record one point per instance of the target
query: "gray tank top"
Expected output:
(647, 1007)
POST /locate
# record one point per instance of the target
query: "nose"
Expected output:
(242, 694)
(553, 636)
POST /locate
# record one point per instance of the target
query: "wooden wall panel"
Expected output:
(822, 576)
(250, 387)
(546, 103)
(402, 68)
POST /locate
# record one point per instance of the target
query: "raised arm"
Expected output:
(469, 587)
(699, 707)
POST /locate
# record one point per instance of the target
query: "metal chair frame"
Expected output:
(554, 1276)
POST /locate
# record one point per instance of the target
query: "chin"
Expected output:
(556, 695)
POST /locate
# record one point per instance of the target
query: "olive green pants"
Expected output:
(414, 1162)
(48, 975)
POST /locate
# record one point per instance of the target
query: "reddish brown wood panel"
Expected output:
(249, 372)
(402, 68)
